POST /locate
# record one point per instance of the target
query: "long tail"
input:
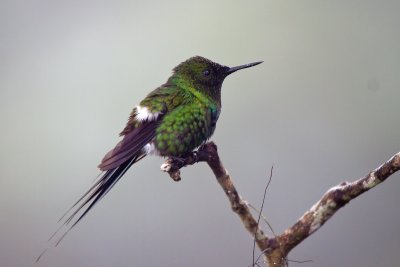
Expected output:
(101, 187)
(115, 163)
(99, 190)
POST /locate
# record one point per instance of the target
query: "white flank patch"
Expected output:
(143, 114)
(150, 149)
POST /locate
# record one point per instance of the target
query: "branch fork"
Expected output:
(275, 249)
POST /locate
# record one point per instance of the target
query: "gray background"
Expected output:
(322, 108)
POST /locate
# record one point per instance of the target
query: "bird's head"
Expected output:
(205, 75)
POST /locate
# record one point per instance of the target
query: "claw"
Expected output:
(177, 160)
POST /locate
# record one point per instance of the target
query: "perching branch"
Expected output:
(276, 249)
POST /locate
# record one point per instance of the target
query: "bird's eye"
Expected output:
(206, 72)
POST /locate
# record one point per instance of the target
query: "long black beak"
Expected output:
(233, 69)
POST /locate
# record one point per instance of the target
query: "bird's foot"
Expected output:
(180, 161)
(174, 163)
(188, 158)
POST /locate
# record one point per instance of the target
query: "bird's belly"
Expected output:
(181, 138)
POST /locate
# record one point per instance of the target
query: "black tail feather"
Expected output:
(136, 135)
(91, 197)
(107, 181)
(100, 189)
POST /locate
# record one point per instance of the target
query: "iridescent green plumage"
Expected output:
(191, 106)
(185, 128)
(171, 121)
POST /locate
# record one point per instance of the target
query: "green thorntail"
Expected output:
(171, 121)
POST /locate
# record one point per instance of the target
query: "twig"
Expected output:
(276, 249)
(208, 153)
(263, 217)
(260, 213)
(334, 199)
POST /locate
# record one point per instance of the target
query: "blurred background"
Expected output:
(322, 108)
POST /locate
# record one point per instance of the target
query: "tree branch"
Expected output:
(276, 249)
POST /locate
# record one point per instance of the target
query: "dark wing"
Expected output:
(129, 150)
(132, 142)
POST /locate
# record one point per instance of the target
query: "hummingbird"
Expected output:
(171, 121)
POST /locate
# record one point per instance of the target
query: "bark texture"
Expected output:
(275, 249)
